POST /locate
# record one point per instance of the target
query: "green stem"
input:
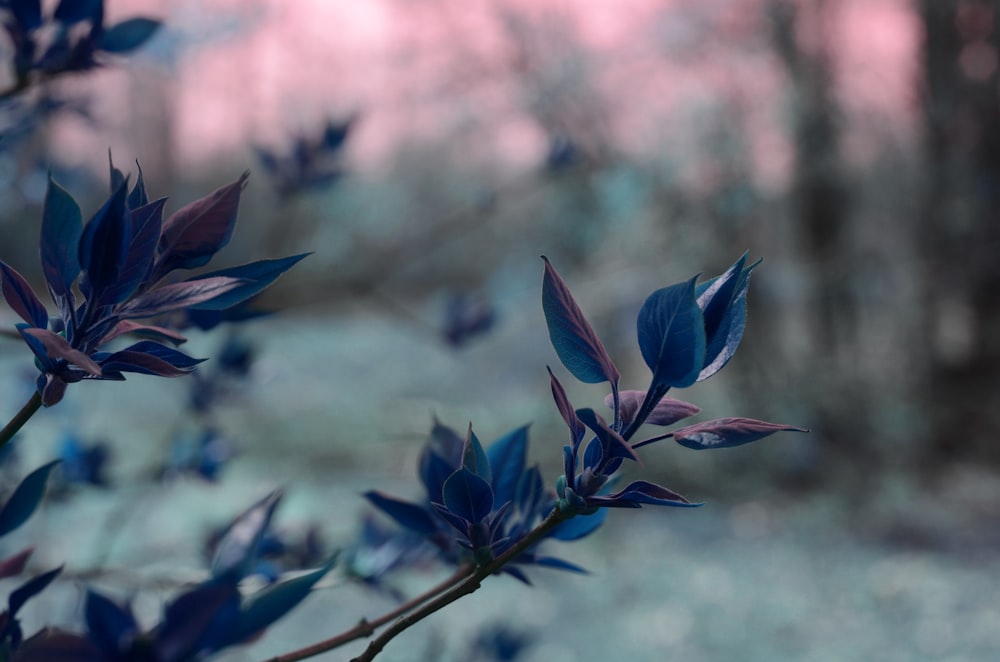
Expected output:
(471, 584)
(366, 628)
(20, 418)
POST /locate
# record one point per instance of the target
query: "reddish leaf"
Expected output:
(727, 432)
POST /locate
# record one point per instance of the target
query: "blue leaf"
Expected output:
(434, 470)
(25, 499)
(474, 457)
(727, 432)
(408, 515)
(272, 603)
(613, 444)
(193, 617)
(236, 553)
(468, 496)
(197, 231)
(671, 334)
(137, 196)
(27, 13)
(575, 342)
(575, 425)
(14, 565)
(507, 458)
(128, 35)
(665, 412)
(51, 645)
(74, 11)
(103, 245)
(21, 298)
(723, 302)
(30, 589)
(57, 347)
(641, 492)
(579, 526)
(257, 277)
(144, 234)
(558, 564)
(178, 295)
(62, 226)
(110, 627)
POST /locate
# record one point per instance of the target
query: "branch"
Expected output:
(20, 418)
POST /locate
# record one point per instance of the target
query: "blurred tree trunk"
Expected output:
(959, 230)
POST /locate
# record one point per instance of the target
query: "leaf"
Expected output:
(104, 243)
(236, 551)
(128, 35)
(56, 347)
(575, 425)
(727, 432)
(197, 231)
(641, 492)
(468, 496)
(672, 336)
(75, 11)
(62, 227)
(558, 564)
(28, 13)
(110, 626)
(408, 515)
(575, 342)
(178, 295)
(144, 233)
(257, 277)
(724, 305)
(613, 444)
(665, 412)
(30, 589)
(25, 499)
(192, 617)
(14, 565)
(474, 457)
(21, 298)
(579, 526)
(53, 645)
(148, 364)
(161, 334)
(137, 196)
(507, 458)
(273, 602)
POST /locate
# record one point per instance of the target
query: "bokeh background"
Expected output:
(427, 152)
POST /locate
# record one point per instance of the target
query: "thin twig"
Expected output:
(20, 418)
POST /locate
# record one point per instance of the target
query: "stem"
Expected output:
(471, 584)
(20, 418)
(366, 628)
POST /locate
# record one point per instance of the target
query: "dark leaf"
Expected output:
(27, 13)
(30, 589)
(272, 603)
(74, 11)
(507, 458)
(257, 276)
(62, 227)
(140, 252)
(158, 333)
(104, 243)
(724, 305)
(575, 425)
(197, 231)
(146, 363)
(178, 295)
(672, 336)
(727, 432)
(21, 298)
(408, 515)
(558, 564)
(56, 347)
(128, 35)
(189, 619)
(468, 496)
(14, 565)
(575, 342)
(55, 646)
(665, 412)
(474, 457)
(236, 552)
(612, 443)
(137, 196)
(110, 626)
(579, 526)
(641, 492)
(25, 499)
(434, 470)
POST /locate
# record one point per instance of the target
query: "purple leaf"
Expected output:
(62, 227)
(258, 276)
(178, 295)
(579, 526)
(409, 515)
(575, 342)
(468, 496)
(272, 603)
(576, 427)
(727, 432)
(14, 565)
(146, 364)
(128, 35)
(236, 552)
(474, 457)
(137, 196)
(109, 625)
(507, 458)
(191, 617)
(56, 347)
(21, 298)
(103, 245)
(665, 412)
(612, 443)
(28, 13)
(158, 332)
(197, 231)
(25, 499)
(641, 492)
(75, 11)
(56, 645)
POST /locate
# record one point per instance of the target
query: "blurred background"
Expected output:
(427, 152)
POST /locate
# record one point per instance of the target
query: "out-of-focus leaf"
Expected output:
(575, 342)
(189, 620)
(110, 626)
(256, 276)
(178, 295)
(74, 11)
(30, 589)
(52, 645)
(128, 35)
(474, 457)
(103, 244)
(727, 432)
(273, 602)
(612, 443)
(507, 458)
(579, 526)
(665, 412)
(408, 515)
(468, 496)
(62, 226)
(14, 565)
(21, 298)
(25, 499)
(57, 347)
(236, 551)
(197, 231)
(27, 13)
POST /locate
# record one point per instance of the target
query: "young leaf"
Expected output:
(665, 412)
(144, 234)
(193, 617)
(236, 552)
(641, 492)
(575, 342)
(161, 334)
(128, 35)
(727, 432)
(25, 499)
(272, 603)
(21, 298)
(408, 515)
(575, 425)
(62, 227)
(672, 336)
(178, 295)
(56, 347)
(612, 444)
(104, 242)
(109, 625)
(257, 277)
(507, 458)
(468, 496)
(723, 302)
(579, 526)
(474, 457)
